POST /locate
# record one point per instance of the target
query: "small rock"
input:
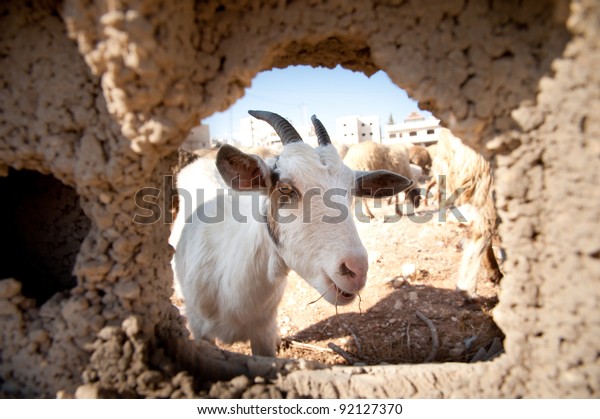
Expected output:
(408, 270)
(9, 288)
(413, 296)
(398, 282)
(398, 305)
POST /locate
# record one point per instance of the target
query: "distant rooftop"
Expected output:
(414, 117)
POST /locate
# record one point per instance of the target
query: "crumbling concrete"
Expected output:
(99, 94)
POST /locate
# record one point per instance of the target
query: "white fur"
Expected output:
(232, 275)
(464, 168)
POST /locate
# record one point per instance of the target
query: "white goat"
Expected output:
(288, 212)
(466, 170)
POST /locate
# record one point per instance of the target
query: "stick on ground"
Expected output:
(349, 358)
(306, 346)
(356, 341)
(435, 343)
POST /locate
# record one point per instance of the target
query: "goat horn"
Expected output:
(322, 135)
(283, 128)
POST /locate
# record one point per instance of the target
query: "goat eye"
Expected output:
(286, 189)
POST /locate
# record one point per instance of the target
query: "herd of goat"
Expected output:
(253, 216)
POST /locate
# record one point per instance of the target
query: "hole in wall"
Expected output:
(348, 103)
(42, 230)
(384, 327)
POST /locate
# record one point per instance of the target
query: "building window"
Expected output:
(413, 133)
(393, 135)
(363, 124)
(363, 134)
(430, 132)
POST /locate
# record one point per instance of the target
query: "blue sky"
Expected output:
(299, 92)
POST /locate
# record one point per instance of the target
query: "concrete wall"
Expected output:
(99, 94)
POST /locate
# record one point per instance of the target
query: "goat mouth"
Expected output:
(341, 296)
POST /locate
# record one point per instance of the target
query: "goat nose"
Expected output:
(354, 270)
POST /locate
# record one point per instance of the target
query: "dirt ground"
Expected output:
(383, 327)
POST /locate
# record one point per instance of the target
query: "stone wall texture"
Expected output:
(99, 93)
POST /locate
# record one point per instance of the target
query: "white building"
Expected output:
(356, 129)
(199, 137)
(415, 129)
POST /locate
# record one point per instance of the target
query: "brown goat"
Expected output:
(373, 156)
(420, 156)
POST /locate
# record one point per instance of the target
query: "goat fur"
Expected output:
(420, 156)
(232, 274)
(464, 168)
(369, 155)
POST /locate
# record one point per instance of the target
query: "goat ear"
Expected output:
(241, 171)
(379, 183)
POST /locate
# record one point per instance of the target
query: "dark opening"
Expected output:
(41, 232)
